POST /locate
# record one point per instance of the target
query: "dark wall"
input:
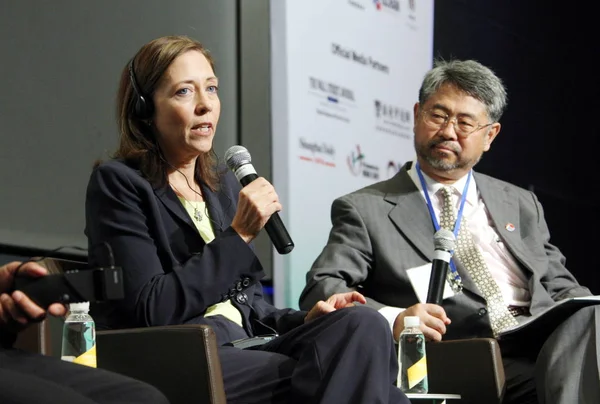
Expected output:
(549, 138)
(59, 71)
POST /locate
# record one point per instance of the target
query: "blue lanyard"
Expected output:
(436, 225)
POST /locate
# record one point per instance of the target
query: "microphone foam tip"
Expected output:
(444, 239)
(237, 156)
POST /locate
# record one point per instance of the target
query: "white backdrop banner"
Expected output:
(345, 77)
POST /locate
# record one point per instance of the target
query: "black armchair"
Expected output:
(182, 360)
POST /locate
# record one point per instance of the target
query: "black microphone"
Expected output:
(238, 160)
(444, 242)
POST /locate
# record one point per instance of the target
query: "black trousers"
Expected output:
(31, 378)
(347, 356)
(519, 372)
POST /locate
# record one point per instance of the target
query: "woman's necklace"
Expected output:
(197, 212)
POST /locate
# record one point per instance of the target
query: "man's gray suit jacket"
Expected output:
(384, 229)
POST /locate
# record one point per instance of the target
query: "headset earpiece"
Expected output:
(143, 108)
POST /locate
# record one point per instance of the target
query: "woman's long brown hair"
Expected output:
(138, 143)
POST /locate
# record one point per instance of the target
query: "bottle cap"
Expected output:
(412, 321)
(83, 306)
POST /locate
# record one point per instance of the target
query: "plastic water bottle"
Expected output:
(79, 336)
(412, 359)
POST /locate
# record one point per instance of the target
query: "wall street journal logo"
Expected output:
(393, 119)
(358, 166)
(333, 92)
(334, 99)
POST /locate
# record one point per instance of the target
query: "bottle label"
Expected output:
(88, 358)
(417, 372)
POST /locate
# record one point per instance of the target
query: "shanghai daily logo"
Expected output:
(392, 119)
(334, 100)
(317, 152)
(359, 167)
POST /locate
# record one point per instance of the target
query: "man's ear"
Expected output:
(491, 135)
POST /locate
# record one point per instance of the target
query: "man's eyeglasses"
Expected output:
(463, 126)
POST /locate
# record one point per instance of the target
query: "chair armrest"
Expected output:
(180, 360)
(471, 367)
(35, 338)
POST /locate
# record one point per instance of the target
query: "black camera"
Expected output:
(92, 285)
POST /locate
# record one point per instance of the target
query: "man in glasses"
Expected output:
(504, 271)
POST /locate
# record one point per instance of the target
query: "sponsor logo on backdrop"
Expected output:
(317, 152)
(358, 57)
(390, 5)
(359, 167)
(392, 168)
(357, 4)
(412, 16)
(334, 100)
(393, 119)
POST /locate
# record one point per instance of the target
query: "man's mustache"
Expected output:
(447, 144)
